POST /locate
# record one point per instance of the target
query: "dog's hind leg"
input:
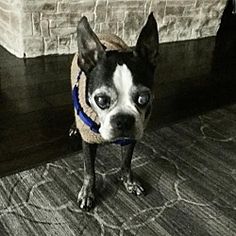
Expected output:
(131, 185)
(86, 195)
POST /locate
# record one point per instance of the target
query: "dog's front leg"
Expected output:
(86, 194)
(131, 185)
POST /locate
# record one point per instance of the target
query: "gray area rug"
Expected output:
(188, 169)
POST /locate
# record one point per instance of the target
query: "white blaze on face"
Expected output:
(123, 82)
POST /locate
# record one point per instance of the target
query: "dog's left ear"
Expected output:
(90, 49)
(148, 41)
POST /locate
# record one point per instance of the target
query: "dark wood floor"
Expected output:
(187, 169)
(35, 98)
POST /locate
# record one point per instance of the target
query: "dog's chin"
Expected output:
(117, 137)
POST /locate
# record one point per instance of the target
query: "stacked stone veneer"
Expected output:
(10, 26)
(38, 27)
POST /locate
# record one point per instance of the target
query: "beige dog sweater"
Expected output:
(79, 82)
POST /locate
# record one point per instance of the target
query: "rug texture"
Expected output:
(188, 170)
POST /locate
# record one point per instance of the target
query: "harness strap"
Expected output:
(80, 112)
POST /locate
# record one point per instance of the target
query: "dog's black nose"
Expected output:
(122, 122)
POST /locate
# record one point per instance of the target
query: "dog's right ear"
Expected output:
(90, 49)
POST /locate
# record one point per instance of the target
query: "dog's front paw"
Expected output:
(133, 186)
(86, 198)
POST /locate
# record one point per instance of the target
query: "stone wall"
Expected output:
(11, 36)
(48, 27)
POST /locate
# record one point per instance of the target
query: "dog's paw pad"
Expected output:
(85, 198)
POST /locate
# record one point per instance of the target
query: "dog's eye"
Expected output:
(143, 99)
(102, 101)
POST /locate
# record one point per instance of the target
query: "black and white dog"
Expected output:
(118, 89)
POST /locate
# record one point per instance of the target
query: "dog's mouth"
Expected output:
(113, 135)
(120, 138)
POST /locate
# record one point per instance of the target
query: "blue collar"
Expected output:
(87, 120)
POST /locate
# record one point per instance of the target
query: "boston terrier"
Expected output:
(112, 95)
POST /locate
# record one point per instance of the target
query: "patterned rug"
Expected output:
(188, 170)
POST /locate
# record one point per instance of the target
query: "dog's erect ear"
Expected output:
(148, 41)
(90, 49)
